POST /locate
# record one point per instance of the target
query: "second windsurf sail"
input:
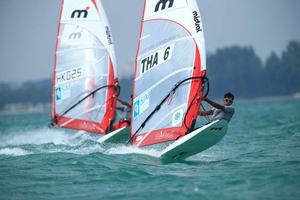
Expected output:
(169, 71)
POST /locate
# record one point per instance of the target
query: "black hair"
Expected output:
(229, 95)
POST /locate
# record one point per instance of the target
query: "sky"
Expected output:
(28, 31)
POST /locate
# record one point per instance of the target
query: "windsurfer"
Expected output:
(126, 109)
(225, 111)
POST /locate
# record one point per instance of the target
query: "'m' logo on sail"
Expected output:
(163, 3)
(76, 35)
(80, 13)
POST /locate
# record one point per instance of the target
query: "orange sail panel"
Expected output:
(84, 89)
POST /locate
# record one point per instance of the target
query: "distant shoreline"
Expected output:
(20, 108)
(270, 98)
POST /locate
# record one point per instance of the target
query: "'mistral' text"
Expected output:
(197, 21)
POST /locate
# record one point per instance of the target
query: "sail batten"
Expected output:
(170, 65)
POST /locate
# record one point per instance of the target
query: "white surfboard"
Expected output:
(196, 141)
(120, 135)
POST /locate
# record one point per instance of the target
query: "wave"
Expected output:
(14, 152)
(125, 149)
(47, 140)
(43, 136)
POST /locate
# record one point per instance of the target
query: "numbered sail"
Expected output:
(84, 93)
(169, 65)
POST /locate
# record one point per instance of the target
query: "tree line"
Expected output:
(30, 92)
(241, 71)
(236, 69)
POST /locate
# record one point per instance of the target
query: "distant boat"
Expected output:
(170, 79)
(85, 85)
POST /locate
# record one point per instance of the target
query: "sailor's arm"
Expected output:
(214, 104)
(205, 113)
(124, 103)
(119, 108)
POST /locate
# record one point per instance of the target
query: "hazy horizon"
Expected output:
(28, 31)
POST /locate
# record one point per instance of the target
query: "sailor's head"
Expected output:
(228, 99)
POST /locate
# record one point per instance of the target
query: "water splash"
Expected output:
(14, 152)
(86, 150)
(125, 149)
(46, 140)
(42, 136)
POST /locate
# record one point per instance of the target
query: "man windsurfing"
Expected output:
(225, 111)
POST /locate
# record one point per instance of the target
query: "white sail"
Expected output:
(171, 50)
(84, 92)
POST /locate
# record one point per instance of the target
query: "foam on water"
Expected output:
(125, 149)
(38, 137)
(14, 152)
(49, 140)
(86, 150)
(46, 140)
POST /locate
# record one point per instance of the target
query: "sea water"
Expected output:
(259, 158)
